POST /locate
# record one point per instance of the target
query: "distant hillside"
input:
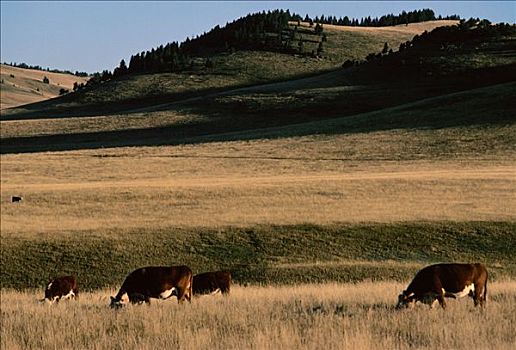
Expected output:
(445, 60)
(20, 86)
(229, 70)
(188, 108)
(276, 31)
(470, 45)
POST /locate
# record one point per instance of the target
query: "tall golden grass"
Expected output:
(327, 316)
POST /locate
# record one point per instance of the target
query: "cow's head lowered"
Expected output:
(433, 283)
(159, 282)
(119, 302)
(64, 287)
(406, 300)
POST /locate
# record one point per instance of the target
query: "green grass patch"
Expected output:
(263, 254)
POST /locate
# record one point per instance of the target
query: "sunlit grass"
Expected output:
(330, 316)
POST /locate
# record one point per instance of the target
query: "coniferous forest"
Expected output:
(259, 31)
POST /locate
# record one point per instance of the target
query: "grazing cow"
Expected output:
(64, 287)
(160, 282)
(16, 199)
(435, 282)
(212, 283)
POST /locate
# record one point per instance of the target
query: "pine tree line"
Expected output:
(27, 66)
(259, 31)
(250, 32)
(383, 21)
(442, 40)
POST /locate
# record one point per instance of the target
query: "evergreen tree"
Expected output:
(209, 63)
(300, 45)
(320, 48)
(385, 48)
(121, 70)
(318, 28)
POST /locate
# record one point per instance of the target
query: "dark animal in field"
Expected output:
(64, 287)
(16, 199)
(435, 282)
(212, 283)
(160, 282)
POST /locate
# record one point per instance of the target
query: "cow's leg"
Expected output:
(188, 296)
(484, 296)
(75, 293)
(477, 295)
(180, 294)
(189, 291)
(440, 296)
(224, 290)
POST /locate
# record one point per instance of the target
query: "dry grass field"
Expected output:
(21, 86)
(412, 28)
(317, 179)
(323, 316)
(364, 40)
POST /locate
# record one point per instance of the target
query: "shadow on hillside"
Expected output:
(492, 105)
(251, 113)
(77, 104)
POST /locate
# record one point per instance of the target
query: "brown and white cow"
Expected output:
(212, 283)
(435, 282)
(160, 282)
(64, 287)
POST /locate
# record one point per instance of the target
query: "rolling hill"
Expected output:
(200, 107)
(230, 71)
(275, 166)
(20, 86)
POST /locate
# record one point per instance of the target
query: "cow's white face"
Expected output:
(48, 292)
(406, 300)
(119, 303)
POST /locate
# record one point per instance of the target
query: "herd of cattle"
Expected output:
(431, 284)
(160, 282)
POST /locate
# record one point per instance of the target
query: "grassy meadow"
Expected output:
(323, 196)
(301, 209)
(305, 316)
(364, 210)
